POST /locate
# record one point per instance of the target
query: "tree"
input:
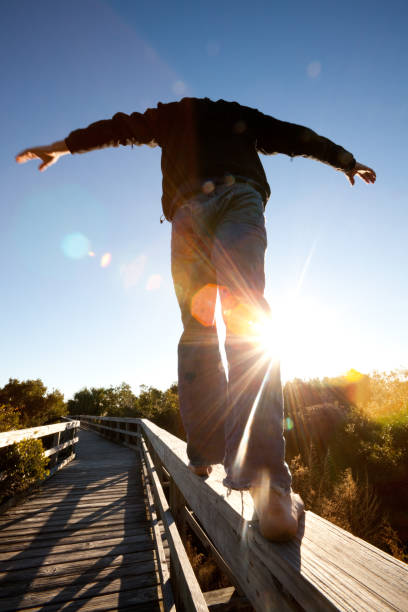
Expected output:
(121, 401)
(87, 401)
(161, 407)
(9, 418)
(114, 401)
(31, 402)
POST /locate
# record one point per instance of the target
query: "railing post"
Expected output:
(55, 442)
(73, 434)
(139, 431)
(177, 505)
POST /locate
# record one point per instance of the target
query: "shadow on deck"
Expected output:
(84, 541)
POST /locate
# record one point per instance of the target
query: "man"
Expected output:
(214, 193)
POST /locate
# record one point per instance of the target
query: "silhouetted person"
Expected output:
(214, 193)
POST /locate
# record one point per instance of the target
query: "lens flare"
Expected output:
(354, 376)
(179, 88)
(75, 245)
(105, 260)
(314, 69)
(132, 271)
(243, 445)
(154, 282)
(288, 424)
(208, 187)
(203, 304)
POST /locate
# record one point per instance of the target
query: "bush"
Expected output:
(206, 570)
(9, 418)
(345, 500)
(22, 464)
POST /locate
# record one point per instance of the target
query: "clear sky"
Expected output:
(337, 258)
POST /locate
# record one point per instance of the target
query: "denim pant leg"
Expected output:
(255, 445)
(201, 376)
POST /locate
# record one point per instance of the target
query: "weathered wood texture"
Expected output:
(85, 540)
(324, 568)
(188, 593)
(60, 440)
(9, 437)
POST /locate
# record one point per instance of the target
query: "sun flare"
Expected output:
(307, 337)
(304, 334)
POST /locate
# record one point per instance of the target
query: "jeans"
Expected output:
(218, 247)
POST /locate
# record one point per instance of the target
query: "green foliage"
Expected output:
(387, 402)
(9, 418)
(346, 501)
(114, 401)
(23, 464)
(23, 405)
(160, 407)
(349, 460)
(30, 402)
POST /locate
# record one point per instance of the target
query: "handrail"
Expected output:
(9, 437)
(64, 435)
(324, 568)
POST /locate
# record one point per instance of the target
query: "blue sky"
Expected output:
(337, 258)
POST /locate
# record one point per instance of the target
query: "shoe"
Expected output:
(200, 470)
(278, 513)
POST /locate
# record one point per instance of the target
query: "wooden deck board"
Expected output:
(20, 542)
(84, 538)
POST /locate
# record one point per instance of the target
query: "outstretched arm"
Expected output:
(122, 129)
(49, 154)
(275, 136)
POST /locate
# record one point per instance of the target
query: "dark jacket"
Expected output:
(203, 140)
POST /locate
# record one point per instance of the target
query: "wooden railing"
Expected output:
(58, 439)
(324, 568)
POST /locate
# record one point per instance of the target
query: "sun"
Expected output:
(307, 337)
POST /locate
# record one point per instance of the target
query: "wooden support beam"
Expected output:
(168, 598)
(60, 447)
(187, 592)
(206, 542)
(226, 600)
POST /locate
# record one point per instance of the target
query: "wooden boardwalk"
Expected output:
(84, 541)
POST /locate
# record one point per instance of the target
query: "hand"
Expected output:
(49, 154)
(364, 172)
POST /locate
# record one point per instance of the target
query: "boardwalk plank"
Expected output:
(84, 540)
(74, 591)
(145, 602)
(84, 577)
(79, 547)
(20, 562)
(75, 499)
(77, 517)
(80, 502)
(74, 526)
(21, 542)
(75, 567)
